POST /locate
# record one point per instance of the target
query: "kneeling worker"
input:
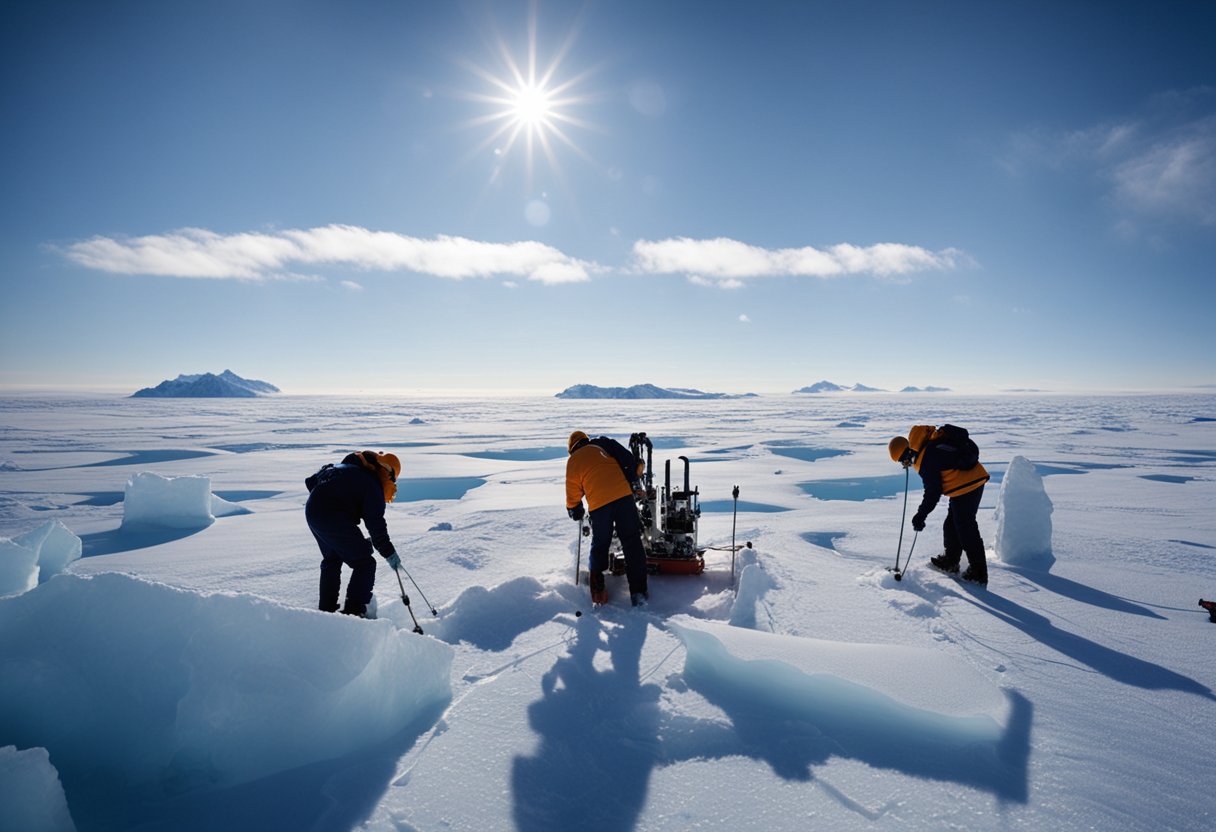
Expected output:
(606, 473)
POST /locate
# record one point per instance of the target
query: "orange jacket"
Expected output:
(593, 472)
(953, 481)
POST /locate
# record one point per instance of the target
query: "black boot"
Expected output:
(945, 563)
(357, 610)
(976, 576)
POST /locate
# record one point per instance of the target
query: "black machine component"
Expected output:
(669, 519)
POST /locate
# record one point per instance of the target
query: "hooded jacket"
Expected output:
(596, 469)
(348, 493)
(934, 461)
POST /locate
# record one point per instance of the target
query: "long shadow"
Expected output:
(1110, 663)
(330, 796)
(127, 538)
(1084, 594)
(598, 733)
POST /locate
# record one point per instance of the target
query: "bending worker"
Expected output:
(606, 473)
(340, 496)
(948, 462)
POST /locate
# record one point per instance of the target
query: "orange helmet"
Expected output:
(575, 438)
(897, 447)
(390, 461)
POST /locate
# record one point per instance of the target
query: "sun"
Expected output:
(531, 111)
(531, 107)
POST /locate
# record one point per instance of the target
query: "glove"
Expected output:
(394, 561)
(576, 513)
(918, 522)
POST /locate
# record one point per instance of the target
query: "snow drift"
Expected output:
(881, 704)
(139, 687)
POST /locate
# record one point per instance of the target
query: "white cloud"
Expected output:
(194, 252)
(727, 283)
(351, 285)
(1159, 165)
(1174, 175)
(724, 259)
(744, 319)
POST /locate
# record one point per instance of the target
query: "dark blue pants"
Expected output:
(961, 532)
(343, 543)
(621, 515)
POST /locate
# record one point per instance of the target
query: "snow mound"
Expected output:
(910, 709)
(176, 502)
(31, 796)
(224, 689)
(492, 618)
(910, 677)
(1023, 518)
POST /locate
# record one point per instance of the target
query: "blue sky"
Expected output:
(731, 196)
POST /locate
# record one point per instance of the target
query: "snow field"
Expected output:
(816, 692)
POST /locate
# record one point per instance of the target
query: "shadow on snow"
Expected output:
(602, 732)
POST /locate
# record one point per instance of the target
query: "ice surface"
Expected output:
(18, 568)
(840, 699)
(175, 502)
(1023, 518)
(175, 691)
(31, 796)
(56, 547)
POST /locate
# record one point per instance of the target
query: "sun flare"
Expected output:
(530, 109)
(531, 106)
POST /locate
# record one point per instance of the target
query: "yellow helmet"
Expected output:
(575, 438)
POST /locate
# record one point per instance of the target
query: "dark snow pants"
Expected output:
(622, 515)
(343, 542)
(961, 532)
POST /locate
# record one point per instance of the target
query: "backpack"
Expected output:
(316, 479)
(956, 448)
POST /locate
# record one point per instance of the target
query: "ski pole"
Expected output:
(578, 560)
(405, 599)
(434, 611)
(733, 520)
(899, 575)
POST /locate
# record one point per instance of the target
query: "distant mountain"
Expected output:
(227, 385)
(639, 391)
(822, 387)
(831, 387)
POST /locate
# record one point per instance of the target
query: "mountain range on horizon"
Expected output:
(226, 385)
(652, 391)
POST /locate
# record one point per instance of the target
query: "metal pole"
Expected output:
(578, 560)
(405, 599)
(733, 520)
(430, 606)
(902, 518)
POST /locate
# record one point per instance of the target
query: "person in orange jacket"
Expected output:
(339, 497)
(606, 473)
(948, 462)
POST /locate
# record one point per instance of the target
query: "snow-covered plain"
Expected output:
(178, 678)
